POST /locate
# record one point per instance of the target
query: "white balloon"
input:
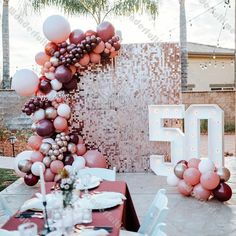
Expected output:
(25, 155)
(50, 75)
(25, 82)
(64, 110)
(56, 29)
(52, 95)
(35, 168)
(38, 115)
(206, 165)
(78, 164)
(56, 85)
(172, 180)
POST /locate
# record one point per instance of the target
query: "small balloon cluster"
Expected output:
(201, 179)
(67, 54)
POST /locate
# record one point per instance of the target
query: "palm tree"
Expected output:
(6, 84)
(99, 9)
(183, 46)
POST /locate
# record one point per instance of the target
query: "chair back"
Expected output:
(106, 174)
(158, 231)
(4, 209)
(155, 214)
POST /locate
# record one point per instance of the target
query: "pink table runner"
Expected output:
(120, 216)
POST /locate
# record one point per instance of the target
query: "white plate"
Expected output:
(92, 185)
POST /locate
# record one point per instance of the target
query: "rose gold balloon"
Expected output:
(85, 60)
(81, 149)
(95, 58)
(48, 175)
(60, 123)
(51, 48)
(184, 188)
(223, 173)
(201, 193)
(192, 176)
(194, 162)
(209, 180)
(95, 159)
(41, 58)
(179, 170)
(56, 166)
(35, 142)
(100, 47)
(37, 156)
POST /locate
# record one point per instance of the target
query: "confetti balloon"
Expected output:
(223, 192)
(56, 29)
(201, 193)
(209, 180)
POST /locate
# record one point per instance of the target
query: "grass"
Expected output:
(7, 177)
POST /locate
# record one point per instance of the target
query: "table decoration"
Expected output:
(66, 57)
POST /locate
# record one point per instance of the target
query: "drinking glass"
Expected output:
(85, 181)
(28, 229)
(87, 216)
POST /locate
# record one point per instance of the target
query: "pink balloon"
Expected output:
(184, 188)
(114, 54)
(41, 58)
(60, 124)
(57, 178)
(25, 82)
(100, 47)
(201, 193)
(48, 175)
(210, 180)
(85, 60)
(192, 176)
(56, 29)
(56, 166)
(95, 159)
(81, 149)
(35, 142)
(194, 162)
(95, 58)
(37, 157)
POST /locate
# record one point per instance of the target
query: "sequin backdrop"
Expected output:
(111, 104)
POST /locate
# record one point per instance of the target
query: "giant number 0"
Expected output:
(185, 146)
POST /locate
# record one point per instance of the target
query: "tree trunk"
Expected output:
(6, 84)
(183, 46)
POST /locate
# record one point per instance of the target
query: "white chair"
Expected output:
(5, 212)
(153, 220)
(106, 174)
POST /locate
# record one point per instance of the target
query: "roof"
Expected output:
(203, 49)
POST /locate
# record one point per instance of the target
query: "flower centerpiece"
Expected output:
(67, 185)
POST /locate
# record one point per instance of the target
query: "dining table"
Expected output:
(120, 217)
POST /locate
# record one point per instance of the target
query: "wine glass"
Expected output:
(85, 181)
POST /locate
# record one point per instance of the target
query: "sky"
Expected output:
(204, 26)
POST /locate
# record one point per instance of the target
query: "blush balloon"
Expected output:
(41, 58)
(37, 157)
(100, 48)
(201, 193)
(184, 188)
(56, 166)
(223, 192)
(194, 162)
(45, 128)
(105, 31)
(81, 149)
(209, 180)
(113, 54)
(76, 36)
(31, 179)
(35, 142)
(49, 175)
(95, 58)
(60, 123)
(192, 176)
(85, 60)
(63, 74)
(95, 159)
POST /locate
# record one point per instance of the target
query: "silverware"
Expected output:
(79, 228)
(30, 215)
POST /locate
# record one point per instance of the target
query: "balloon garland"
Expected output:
(67, 54)
(201, 179)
